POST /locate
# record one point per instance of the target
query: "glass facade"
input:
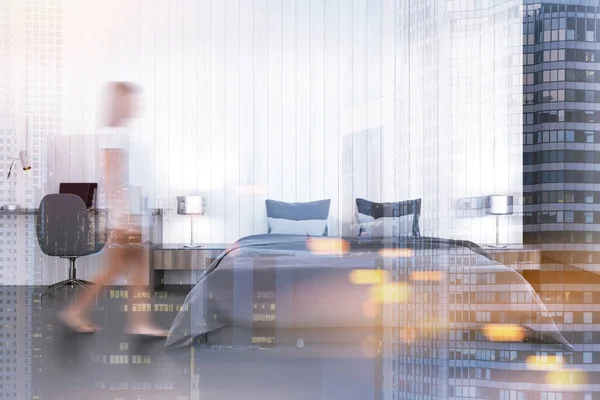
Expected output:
(559, 183)
(560, 122)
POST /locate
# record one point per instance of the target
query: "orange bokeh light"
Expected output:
(370, 309)
(367, 276)
(504, 332)
(329, 246)
(390, 293)
(566, 377)
(548, 363)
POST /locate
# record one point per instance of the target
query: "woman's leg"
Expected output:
(76, 316)
(140, 321)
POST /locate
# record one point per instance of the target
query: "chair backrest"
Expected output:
(65, 228)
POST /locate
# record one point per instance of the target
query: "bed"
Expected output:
(274, 288)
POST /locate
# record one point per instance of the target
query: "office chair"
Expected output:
(65, 228)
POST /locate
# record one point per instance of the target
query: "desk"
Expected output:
(156, 227)
(176, 257)
(21, 211)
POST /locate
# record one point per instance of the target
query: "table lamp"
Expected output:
(24, 158)
(500, 205)
(193, 206)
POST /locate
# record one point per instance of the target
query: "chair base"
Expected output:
(68, 282)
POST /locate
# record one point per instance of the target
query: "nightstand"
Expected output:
(190, 262)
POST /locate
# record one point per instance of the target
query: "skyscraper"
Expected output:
(30, 52)
(559, 56)
(561, 51)
(457, 81)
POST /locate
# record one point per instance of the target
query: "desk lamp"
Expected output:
(24, 158)
(193, 206)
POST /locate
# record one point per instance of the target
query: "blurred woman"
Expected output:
(126, 252)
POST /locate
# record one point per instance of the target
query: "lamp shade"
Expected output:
(500, 205)
(191, 205)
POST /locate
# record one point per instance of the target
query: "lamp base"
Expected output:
(497, 246)
(10, 207)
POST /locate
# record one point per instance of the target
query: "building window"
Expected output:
(589, 197)
(590, 56)
(589, 36)
(589, 137)
(589, 116)
(569, 198)
(587, 357)
(568, 319)
(587, 317)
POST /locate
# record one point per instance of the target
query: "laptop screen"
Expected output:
(86, 191)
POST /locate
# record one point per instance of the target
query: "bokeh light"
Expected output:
(566, 378)
(548, 363)
(504, 332)
(370, 308)
(328, 246)
(367, 276)
(390, 293)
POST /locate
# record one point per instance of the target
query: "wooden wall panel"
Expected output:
(275, 136)
(331, 112)
(175, 150)
(260, 118)
(303, 97)
(345, 115)
(161, 106)
(217, 196)
(246, 96)
(289, 135)
(232, 120)
(317, 100)
(204, 108)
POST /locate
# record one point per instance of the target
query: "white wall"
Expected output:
(244, 100)
(458, 113)
(248, 100)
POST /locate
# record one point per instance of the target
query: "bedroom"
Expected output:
(417, 108)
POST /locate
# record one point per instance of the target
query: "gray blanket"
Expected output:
(427, 286)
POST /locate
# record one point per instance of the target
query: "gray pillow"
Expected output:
(388, 219)
(298, 218)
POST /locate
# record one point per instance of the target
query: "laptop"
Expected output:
(86, 191)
